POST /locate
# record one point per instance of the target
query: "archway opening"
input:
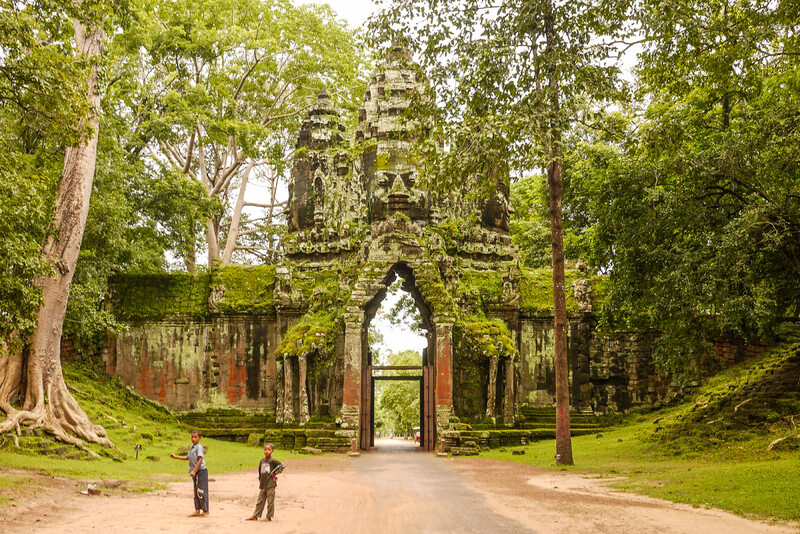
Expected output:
(395, 363)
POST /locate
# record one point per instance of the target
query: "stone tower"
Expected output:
(357, 220)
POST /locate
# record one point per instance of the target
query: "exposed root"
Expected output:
(60, 416)
(736, 408)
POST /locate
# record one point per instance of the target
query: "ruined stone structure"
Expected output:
(291, 340)
(358, 222)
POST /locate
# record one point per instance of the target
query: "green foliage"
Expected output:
(403, 313)
(530, 225)
(693, 207)
(216, 91)
(397, 401)
(509, 78)
(42, 91)
(314, 333)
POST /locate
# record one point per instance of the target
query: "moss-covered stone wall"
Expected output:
(211, 340)
(192, 364)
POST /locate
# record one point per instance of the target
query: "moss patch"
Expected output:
(235, 288)
(536, 291)
(246, 289)
(316, 331)
(477, 337)
(155, 296)
(758, 400)
(484, 286)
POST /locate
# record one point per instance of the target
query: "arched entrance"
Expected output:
(427, 407)
(423, 374)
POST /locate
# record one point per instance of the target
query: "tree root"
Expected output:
(60, 417)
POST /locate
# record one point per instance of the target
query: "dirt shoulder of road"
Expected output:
(319, 488)
(566, 501)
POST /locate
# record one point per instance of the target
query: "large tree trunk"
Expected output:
(47, 402)
(563, 440)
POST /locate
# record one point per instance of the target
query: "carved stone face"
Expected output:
(395, 191)
(497, 209)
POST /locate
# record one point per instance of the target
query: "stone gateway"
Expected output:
(289, 342)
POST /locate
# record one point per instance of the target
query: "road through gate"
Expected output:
(427, 395)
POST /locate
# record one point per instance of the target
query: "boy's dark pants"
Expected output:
(267, 495)
(201, 490)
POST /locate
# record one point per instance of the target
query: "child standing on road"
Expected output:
(199, 474)
(268, 469)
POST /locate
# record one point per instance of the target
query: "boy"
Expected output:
(268, 469)
(199, 474)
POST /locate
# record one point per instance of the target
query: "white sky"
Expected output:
(396, 338)
(355, 12)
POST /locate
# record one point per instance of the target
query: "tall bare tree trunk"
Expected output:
(233, 232)
(47, 402)
(563, 440)
(212, 235)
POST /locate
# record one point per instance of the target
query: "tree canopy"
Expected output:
(693, 204)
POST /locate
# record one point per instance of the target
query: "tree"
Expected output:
(47, 401)
(695, 209)
(35, 121)
(508, 79)
(398, 401)
(222, 89)
(530, 227)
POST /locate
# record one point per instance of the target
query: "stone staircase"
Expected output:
(227, 423)
(541, 422)
(238, 425)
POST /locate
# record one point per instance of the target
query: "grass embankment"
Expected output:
(130, 420)
(712, 450)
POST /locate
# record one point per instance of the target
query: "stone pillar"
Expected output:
(280, 404)
(351, 396)
(303, 393)
(508, 401)
(491, 389)
(444, 373)
(288, 391)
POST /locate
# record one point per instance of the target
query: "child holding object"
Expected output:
(268, 469)
(199, 474)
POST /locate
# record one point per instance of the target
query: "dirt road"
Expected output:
(396, 488)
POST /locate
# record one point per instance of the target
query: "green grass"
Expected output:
(129, 420)
(761, 487)
(711, 450)
(708, 451)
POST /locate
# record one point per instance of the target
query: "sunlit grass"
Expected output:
(129, 420)
(743, 477)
